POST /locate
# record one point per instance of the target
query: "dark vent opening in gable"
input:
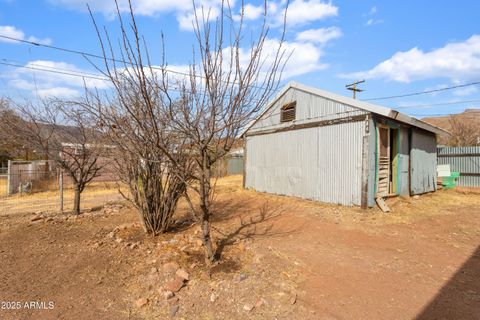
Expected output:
(288, 112)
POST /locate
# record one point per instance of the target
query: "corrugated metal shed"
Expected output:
(330, 151)
(314, 169)
(465, 160)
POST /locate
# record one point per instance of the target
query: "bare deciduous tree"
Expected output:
(222, 95)
(149, 157)
(64, 134)
(462, 133)
(188, 122)
(131, 123)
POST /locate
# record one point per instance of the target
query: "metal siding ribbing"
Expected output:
(372, 163)
(423, 162)
(321, 163)
(463, 164)
(404, 154)
(309, 108)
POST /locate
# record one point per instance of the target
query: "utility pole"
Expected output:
(353, 87)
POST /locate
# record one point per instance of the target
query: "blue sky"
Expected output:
(397, 46)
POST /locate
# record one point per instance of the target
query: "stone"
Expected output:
(153, 270)
(294, 299)
(96, 208)
(111, 235)
(199, 242)
(213, 297)
(248, 307)
(36, 218)
(174, 310)
(175, 285)
(260, 303)
(168, 294)
(49, 219)
(182, 274)
(125, 226)
(97, 244)
(416, 197)
(141, 302)
(242, 276)
(170, 267)
(119, 240)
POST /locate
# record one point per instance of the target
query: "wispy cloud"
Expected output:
(457, 61)
(372, 20)
(13, 32)
(320, 36)
(43, 83)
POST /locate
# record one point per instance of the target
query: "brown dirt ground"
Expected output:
(300, 260)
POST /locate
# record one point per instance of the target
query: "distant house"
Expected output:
(322, 146)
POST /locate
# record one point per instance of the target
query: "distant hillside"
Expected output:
(470, 117)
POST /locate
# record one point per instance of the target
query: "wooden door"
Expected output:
(383, 177)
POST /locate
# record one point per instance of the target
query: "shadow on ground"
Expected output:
(254, 225)
(460, 297)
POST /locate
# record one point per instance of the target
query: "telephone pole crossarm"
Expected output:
(353, 87)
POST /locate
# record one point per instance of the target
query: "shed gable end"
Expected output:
(308, 108)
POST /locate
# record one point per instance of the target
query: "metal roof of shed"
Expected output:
(373, 108)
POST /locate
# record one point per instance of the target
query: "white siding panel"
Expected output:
(322, 163)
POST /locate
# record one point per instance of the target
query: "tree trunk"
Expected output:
(207, 240)
(76, 201)
(205, 207)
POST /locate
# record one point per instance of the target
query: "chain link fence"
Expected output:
(43, 189)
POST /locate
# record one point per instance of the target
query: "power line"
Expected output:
(425, 92)
(83, 76)
(41, 67)
(56, 70)
(438, 104)
(53, 71)
(441, 114)
(92, 55)
(97, 56)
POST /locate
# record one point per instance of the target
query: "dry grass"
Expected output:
(96, 194)
(404, 210)
(3, 186)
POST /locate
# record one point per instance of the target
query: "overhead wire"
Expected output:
(97, 56)
(438, 104)
(81, 75)
(168, 70)
(424, 92)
